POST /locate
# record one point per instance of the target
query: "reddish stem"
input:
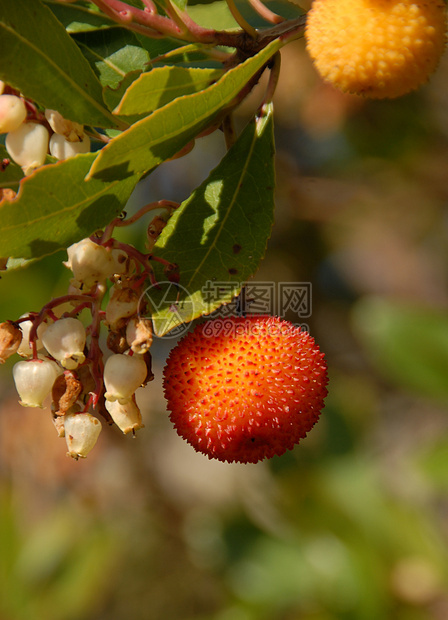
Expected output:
(266, 13)
(154, 24)
(160, 204)
(95, 354)
(137, 257)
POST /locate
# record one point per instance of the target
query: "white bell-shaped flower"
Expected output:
(126, 416)
(81, 433)
(64, 149)
(34, 380)
(28, 145)
(90, 262)
(12, 113)
(25, 349)
(123, 374)
(65, 340)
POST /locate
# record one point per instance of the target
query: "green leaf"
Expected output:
(218, 236)
(182, 4)
(157, 88)
(192, 54)
(12, 174)
(18, 263)
(157, 47)
(112, 54)
(76, 18)
(56, 207)
(113, 96)
(214, 15)
(40, 59)
(408, 344)
(158, 137)
(288, 10)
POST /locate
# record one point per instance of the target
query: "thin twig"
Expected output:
(229, 131)
(273, 79)
(95, 354)
(160, 204)
(178, 18)
(266, 13)
(240, 19)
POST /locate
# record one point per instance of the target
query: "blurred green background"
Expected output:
(352, 524)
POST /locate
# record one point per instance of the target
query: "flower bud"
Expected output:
(10, 339)
(28, 146)
(123, 374)
(12, 113)
(123, 303)
(81, 433)
(70, 130)
(65, 340)
(90, 262)
(61, 148)
(139, 335)
(25, 349)
(34, 380)
(126, 416)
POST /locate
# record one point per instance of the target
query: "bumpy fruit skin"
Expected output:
(376, 48)
(249, 392)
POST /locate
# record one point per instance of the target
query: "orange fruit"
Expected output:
(376, 48)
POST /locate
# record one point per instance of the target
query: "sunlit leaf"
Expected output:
(213, 15)
(181, 4)
(154, 139)
(113, 96)
(113, 54)
(56, 207)
(218, 236)
(194, 54)
(155, 89)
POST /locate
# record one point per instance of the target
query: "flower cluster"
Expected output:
(32, 134)
(60, 345)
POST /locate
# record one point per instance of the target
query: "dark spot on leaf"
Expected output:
(233, 271)
(237, 248)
